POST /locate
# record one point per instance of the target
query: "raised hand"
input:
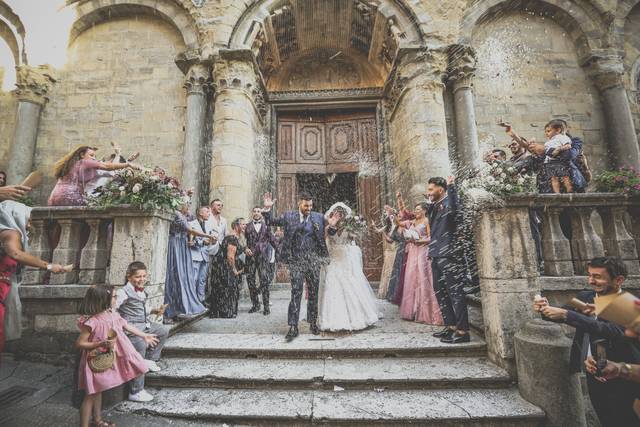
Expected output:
(451, 180)
(334, 219)
(268, 201)
(13, 192)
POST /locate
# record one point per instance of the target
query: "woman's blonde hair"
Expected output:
(64, 165)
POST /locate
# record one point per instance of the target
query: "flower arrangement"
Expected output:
(355, 225)
(625, 180)
(500, 179)
(141, 189)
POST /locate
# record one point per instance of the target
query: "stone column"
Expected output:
(33, 87)
(544, 376)
(606, 73)
(462, 66)
(197, 82)
(417, 124)
(239, 113)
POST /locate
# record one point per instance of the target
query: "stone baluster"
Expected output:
(197, 83)
(417, 136)
(585, 242)
(462, 66)
(33, 87)
(67, 251)
(616, 239)
(607, 74)
(239, 113)
(93, 259)
(634, 225)
(556, 248)
(39, 247)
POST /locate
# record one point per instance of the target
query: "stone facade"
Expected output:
(124, 81)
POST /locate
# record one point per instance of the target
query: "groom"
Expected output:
(304, 250)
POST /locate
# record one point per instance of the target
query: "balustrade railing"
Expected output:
(578, 227)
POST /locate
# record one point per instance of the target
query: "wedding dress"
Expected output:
(346, 300)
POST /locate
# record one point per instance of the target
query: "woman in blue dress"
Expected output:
(180, 284)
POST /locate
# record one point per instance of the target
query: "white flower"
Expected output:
(357, 218)
(123, 193)
(508, 187)
(503, 175)
(136, 188)
(499, 170)
(170, 185)
(121, 188)
(155, 178)
(521, 180)
(511, 169)
(490, 179)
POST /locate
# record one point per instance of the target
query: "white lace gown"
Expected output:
(346, 300)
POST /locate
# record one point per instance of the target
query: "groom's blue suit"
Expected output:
(304, 250)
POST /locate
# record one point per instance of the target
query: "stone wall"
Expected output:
(632, 63)
(8, 106)
(528, 73)
(120, 84)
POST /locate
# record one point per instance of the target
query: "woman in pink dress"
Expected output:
(73, 171)
(97, 321)
(419, 301)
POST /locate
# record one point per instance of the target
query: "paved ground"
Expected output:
(50, 403)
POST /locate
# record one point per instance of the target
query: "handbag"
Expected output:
(101, 360)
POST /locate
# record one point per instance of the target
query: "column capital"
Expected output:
(197, 71)
(605, 71)
(461, 66)
(33, 84)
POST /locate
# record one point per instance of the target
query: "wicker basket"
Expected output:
(100, 362)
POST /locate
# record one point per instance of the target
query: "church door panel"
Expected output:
(332, 142)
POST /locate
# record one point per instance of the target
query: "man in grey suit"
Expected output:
(199, 248)
(447, 280)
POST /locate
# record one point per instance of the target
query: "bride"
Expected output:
(346, 301)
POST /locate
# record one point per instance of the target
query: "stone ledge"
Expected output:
(86, 212)
(532, 200)
(580, 283)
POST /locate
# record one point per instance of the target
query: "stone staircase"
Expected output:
(242, 372)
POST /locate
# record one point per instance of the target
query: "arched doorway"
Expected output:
(324, 65)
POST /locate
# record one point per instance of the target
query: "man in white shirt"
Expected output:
(199, 248)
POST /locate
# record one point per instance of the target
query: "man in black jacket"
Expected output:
(612, 400)
(447, 273)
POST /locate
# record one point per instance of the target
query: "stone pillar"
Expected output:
(197, 83)
(239, 113)
(606, 73)
(508, 278)
(33, 87)
(462, 66)
(544, 376)
(414, 103)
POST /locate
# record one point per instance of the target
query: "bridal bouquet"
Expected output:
(354, 225)
(500, 179)
(141, 189)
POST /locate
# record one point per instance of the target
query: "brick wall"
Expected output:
(528, 73)
(120, 84)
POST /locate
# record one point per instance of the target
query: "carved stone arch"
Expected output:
(586, 32)
(634, 77)
(616, 30)
(13, 33)
(243, 35)
(93, 12)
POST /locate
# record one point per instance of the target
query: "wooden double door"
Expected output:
(334, 156)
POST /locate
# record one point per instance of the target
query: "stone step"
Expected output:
(313, 346)
(387, 373)
(468, 407)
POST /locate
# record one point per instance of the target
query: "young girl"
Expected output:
(554, 167)
(97, 320)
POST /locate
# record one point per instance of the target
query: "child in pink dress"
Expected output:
(98, 319)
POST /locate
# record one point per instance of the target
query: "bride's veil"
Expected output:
(337, 205)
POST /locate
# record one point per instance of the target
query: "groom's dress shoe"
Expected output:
(293, 332)
(443, 333)
(314, 329)
(456, 339)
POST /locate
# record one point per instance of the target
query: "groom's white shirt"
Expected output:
(219, 227)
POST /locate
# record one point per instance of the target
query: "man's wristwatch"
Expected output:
(49, 267)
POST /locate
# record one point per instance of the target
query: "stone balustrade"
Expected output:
(574, 229)
(100, 243)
